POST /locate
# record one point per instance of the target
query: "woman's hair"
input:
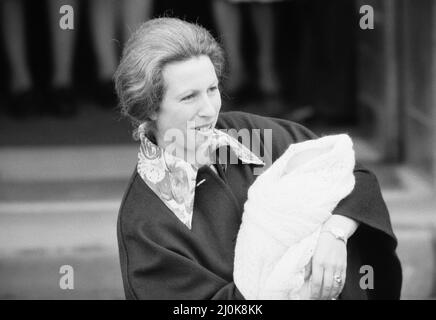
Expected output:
(138, 79)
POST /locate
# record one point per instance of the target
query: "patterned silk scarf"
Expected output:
(173, 179)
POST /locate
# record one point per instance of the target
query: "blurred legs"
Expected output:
(228, 20)
(103, 34)
(62, 98)
(16, 48)
(134, 13)
(263, 22)
(63, 45)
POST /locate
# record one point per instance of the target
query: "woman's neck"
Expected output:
(199, 157)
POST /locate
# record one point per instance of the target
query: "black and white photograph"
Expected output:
(218, 150)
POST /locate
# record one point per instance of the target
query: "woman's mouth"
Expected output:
(204, 128)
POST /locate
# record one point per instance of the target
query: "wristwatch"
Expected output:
(337, 233)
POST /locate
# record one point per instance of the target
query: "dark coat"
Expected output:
(162, 259)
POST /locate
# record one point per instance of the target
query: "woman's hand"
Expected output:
(329, 262)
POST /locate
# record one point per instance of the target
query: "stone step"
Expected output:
(36, 275)
(66, 163)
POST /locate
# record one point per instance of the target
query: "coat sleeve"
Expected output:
(364, 204)
(371, 249)
(151, 270)
(373, 244)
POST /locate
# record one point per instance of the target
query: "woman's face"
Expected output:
(190, 105)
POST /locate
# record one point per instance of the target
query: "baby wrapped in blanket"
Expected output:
(283, 215)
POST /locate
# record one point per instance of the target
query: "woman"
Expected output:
(181, 212)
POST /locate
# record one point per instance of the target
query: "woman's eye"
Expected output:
(189, 97)
(213, 89)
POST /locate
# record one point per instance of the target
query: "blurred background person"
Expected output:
(21, 86)
(26, 98)
(106, 16)
(62, 96)
(228, 16)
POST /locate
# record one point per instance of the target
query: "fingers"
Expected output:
(344, 277)
(316, 283)
(337, 286)
(323, 283)
(327, 285)
(329, 259)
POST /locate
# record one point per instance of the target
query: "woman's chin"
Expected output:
(200, 155)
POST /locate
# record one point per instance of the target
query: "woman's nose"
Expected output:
(207, 108)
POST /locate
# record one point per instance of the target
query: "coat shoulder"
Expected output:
(275, 134)
(136, 204)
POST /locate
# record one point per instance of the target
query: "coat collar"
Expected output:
(173, 179)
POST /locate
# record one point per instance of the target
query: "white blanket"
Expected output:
(283, 215)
